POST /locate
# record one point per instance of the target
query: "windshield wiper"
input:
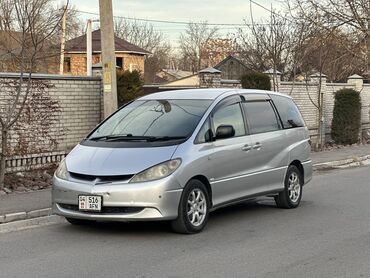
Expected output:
(166, 138)
(123, 137)
(130, 137)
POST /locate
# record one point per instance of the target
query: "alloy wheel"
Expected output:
(196, 207)
(294, 187)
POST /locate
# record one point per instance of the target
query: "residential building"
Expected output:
(128, 56)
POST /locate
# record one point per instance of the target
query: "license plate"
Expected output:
(89, 203)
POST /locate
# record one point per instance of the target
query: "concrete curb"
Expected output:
(31, 223)
(355, 161)
(17, 216)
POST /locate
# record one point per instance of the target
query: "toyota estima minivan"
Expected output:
(178, 155)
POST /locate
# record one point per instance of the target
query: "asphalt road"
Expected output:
(327, 236)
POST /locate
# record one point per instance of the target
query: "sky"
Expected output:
(212, 11)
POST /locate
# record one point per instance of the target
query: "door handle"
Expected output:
(246, 148)
(257, 146)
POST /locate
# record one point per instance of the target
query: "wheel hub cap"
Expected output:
(294, 187)
(196, 207)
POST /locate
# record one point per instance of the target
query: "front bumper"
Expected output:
(155, 200)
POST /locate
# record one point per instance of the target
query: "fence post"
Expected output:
(209, 78)
(358, 82)
(275, 78)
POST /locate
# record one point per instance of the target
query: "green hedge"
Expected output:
(256, 80)
(129, 86)
(346, 122)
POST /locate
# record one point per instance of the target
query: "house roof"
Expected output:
(224, 61)
(187, 81)
(79, 44)
(178, 74)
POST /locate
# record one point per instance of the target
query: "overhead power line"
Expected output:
(174, 22)
(270, 11)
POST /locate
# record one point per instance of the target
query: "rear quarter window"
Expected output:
(288, 111)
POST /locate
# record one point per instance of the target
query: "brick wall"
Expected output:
(80, 101)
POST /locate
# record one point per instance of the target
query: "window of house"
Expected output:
(119, 62)
(261, 117)
(67, 64)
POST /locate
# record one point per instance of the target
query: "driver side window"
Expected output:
(230, 115)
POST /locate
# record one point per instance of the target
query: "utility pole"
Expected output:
(63, 40)
(89, 48)
(108, 57)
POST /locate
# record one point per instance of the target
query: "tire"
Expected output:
(292, 194)
(188, 221)
(79, 222)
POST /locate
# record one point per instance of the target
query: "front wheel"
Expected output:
(292, 194)
(193, 210)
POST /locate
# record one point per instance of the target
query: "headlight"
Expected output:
(158, 171)
(62, 171)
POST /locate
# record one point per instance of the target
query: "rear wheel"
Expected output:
(193, 209)
(292, 194)
(75, 221)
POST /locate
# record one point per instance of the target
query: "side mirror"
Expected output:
(225, 131)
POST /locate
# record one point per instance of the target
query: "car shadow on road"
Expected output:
(246, 210)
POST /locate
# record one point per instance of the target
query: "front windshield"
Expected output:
(154, 118)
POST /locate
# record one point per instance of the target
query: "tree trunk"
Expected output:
(3, 154)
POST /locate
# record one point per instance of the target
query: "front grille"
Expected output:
(105, 210)
(102, 179)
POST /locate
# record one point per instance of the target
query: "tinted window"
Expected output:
(230, 115)
(261, 117)
(155, 118)
(288, 111)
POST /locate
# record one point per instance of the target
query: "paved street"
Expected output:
(328, 236)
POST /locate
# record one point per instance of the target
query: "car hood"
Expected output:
(99, 161)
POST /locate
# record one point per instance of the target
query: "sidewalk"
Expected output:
(340, 154)
(25, 206)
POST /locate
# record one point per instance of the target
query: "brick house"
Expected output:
(128, 56)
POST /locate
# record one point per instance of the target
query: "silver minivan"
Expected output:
(178, 155)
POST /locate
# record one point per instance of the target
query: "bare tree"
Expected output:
(147, 37)
(6, 15)
(270, 44)
(348, 17)
(193, 44)
(33, 23)
(75, 26)
(140, 33)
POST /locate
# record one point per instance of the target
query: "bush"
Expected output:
(256, 80)
(129, 86)
(346, 124)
